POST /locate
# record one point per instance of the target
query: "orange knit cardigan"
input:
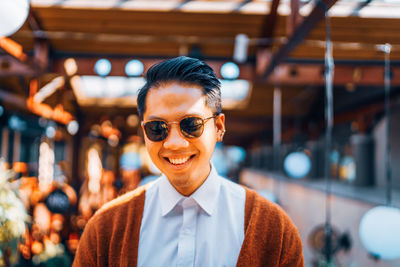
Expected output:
(111, 237)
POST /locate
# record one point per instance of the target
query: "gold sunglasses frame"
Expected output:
(143, 123)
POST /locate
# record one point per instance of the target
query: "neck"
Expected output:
(189, 189)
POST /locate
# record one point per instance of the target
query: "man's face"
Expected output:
(185, 162)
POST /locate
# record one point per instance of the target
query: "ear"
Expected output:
(220, 125)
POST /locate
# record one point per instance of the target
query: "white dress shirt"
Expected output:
(204, 229)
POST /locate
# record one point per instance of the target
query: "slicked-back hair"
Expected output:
(183, 70)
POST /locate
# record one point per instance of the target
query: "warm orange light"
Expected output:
(108, 130)
(57, 114)
(94, 169)
(49, 89)
(13, 48)
(37, 247)
(60, 115)
(33, 87)
(20, 167)
(70, 66)
(70, 192)
(46, 166)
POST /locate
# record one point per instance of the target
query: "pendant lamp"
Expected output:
(326, 238)
(13, 14)
(379, 228)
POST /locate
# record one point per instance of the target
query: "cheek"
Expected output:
(209, 135)
(207, 143)
(152, 149)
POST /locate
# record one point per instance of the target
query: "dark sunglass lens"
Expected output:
(156, 130)
(192, 127)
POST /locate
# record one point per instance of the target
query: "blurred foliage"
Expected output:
(13, 217)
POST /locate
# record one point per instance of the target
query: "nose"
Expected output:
(175, 140)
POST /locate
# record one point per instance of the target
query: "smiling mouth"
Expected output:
(179, 161)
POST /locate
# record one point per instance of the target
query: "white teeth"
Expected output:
(178, 160)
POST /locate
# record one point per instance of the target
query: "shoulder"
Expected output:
(131, 200)
(114, 222)
(269, 228)
(261, 210)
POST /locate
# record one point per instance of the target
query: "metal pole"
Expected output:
(386, 48)
(329, 67)
(277, 126)
(277, 122)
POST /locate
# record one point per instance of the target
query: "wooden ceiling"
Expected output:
(120, 30)
(88, 30)
(132, 32)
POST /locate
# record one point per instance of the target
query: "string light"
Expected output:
(46, 165)
(95, 169)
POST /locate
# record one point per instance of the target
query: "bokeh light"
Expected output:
(230, 71)
(73, 127)
(12, 16)
(134, 68)
(379, 232)
(297, 164)
(102, 67)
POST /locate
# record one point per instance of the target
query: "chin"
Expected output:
(180, 181)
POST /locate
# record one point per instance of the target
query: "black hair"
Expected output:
(183, 70)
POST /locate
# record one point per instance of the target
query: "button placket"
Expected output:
(186, 245)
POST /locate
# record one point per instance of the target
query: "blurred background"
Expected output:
(312, 105)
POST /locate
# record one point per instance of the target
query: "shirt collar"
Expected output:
(205, 196)
(169, 197)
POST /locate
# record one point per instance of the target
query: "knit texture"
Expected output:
(270, 239)
(111, 237)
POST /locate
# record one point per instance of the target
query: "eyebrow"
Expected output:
(186, 115)
(154, 118)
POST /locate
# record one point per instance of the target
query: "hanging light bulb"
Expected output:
(102, 67)
(12, 15)
(297, 164)
(134, 68)
(230, 71)
(380, 232)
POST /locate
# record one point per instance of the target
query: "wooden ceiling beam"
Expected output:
(40, 58)
(286, 74)
(13, 100)
(269, 23)
(294, 18)
(301, 32)
(10, 66)
(20, 63)
(268, 26)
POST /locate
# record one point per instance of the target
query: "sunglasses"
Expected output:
(190, 127)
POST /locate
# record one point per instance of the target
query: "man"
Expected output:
(190, 216)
